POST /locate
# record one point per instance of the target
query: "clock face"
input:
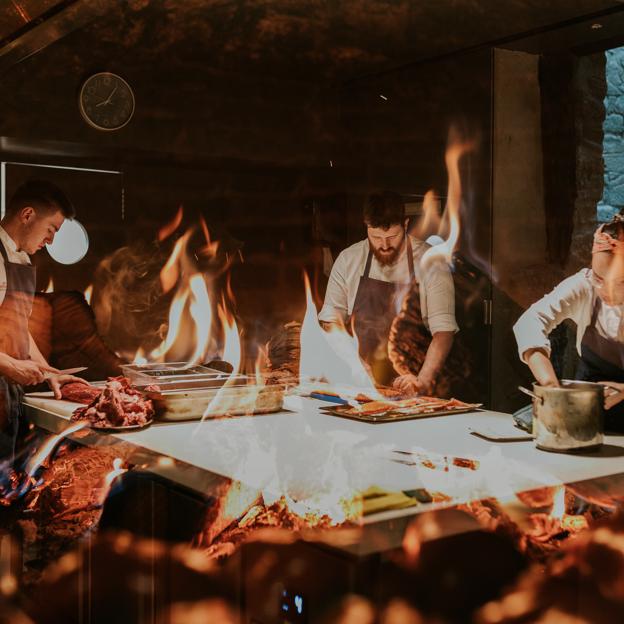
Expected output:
(106, 101)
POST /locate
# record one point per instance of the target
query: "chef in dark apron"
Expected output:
(594, 299)
(34, 215)
(369, 281)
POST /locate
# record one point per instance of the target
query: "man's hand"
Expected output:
(411, 384)
(614, 393)
(57, 381)
(26, 372)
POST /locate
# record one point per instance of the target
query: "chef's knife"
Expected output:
(66, 371)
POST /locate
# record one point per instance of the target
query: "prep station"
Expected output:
(303, 451)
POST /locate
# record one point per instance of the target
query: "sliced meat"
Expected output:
(118, 405)
(79, 392)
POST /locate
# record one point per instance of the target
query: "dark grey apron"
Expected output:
(14, 340)
(374, 309)
(602, 359)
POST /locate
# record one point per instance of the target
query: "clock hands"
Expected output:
(108, 99)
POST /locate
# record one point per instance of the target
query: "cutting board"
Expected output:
(46, 401)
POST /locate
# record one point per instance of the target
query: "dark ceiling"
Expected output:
(300, 39)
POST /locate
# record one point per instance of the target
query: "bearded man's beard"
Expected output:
(387, 257)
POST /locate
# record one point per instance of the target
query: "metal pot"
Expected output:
(568, 418)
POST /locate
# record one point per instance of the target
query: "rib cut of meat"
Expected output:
(79, 392)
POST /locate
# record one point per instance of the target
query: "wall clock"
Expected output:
(106, 101)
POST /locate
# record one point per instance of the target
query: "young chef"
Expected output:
(594, 300)
(33, 216)
(370, 278)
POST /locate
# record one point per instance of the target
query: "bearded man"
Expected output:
(367, 285)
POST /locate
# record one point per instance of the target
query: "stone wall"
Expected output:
(613, 196)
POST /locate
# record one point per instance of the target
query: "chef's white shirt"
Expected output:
(437, 293)
(14, 255)
(574, 298)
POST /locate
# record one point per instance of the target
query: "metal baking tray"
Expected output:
(393, 416)
(176, 376)
(234, 400)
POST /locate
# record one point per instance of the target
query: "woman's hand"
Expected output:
(614, 393)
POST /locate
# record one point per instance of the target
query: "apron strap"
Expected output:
(369, 260)
(410, 259)
(3, 251)
(594, 316)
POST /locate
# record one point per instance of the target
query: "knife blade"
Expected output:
(67, 371)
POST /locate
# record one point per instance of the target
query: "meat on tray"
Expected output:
(416, 405)
(118, 405)
(79, 392)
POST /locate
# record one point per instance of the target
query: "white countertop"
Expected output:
(306, 454)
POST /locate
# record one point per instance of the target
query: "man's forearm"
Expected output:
(438, 350)
(34, 353)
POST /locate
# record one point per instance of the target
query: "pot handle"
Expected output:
(531, 394)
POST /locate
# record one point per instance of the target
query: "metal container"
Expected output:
(568, 418)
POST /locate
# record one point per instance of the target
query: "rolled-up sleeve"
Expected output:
(437, 294)
(336, 304)
(569, 300)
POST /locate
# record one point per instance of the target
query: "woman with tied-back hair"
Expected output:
(594, 299)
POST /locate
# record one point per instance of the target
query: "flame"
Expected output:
(211, 248)
(167, 230)
(190, 313)
(175, 315)
(170, 273)
(430, 221)
(50, 286)
(558, 507)
(40, 456)
(232, 343)
(139, 357)
(331, 357)
(201, 312)
(88, 293)
(444, 250)
(238, 395)
(569, 522)
(117, 470)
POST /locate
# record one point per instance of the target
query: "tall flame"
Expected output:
(430, 221)
(331, 357)
(454, 152)
(201, 312)
(50, 286)
(88, 293)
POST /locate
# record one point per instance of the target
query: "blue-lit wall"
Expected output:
(613, 145)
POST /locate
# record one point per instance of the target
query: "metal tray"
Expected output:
(176, 405)
(176, 376)
(392, 416)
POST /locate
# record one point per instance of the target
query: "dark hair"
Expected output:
(383, 210)
(43, 196)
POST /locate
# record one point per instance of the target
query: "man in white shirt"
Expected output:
(369, 281)
(34, 214)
